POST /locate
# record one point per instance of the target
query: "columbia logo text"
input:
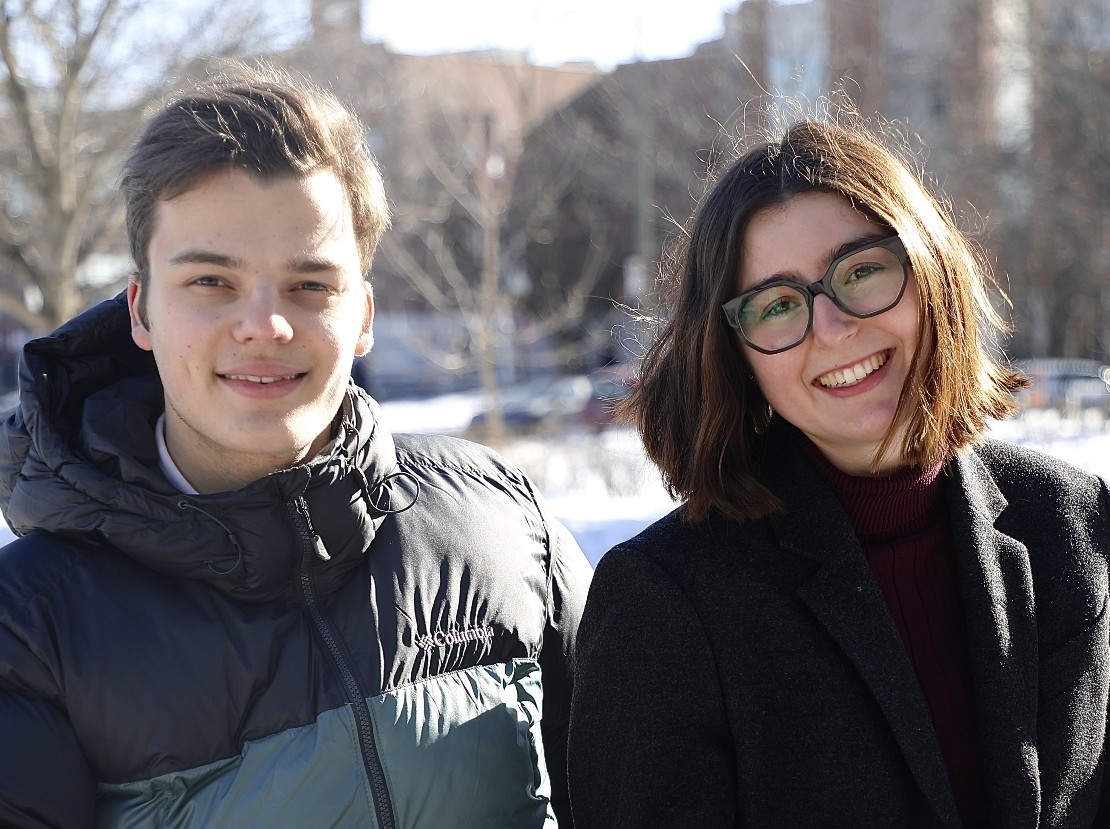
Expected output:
(442, 639)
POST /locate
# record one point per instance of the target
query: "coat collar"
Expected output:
(844, 598)
(996, 592)
(996, 586)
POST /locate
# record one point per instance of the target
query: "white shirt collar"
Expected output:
(169, 468)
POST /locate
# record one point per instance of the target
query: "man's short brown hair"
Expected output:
(261, 120)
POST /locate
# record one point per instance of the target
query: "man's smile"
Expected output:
(257, 379)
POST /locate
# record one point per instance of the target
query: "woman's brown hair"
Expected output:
(701, 415)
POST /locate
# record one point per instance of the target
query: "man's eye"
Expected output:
(208, 281)
(313, 286)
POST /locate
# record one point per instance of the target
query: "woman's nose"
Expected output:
(830, 324)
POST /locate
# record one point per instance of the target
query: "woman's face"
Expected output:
(841, 384)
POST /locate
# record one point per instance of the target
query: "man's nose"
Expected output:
(261, 318)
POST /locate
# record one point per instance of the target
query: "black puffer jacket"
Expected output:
(357, 641)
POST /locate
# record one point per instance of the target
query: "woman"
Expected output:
(865, 613)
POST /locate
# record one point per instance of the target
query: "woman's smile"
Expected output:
(854, 374)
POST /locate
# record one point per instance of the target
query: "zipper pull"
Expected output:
(321, 550)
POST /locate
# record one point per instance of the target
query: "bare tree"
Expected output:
(75, 76)
(463, 220)
(1068, 241)
(655, 131)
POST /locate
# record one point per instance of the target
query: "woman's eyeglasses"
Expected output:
(778, 315)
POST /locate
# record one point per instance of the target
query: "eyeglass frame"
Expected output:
(822, 286)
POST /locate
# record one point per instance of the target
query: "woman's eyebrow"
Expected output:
(847, 247)
(859, 242)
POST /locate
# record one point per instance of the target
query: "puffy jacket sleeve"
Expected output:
(649, 741)
(570, 575)
(44, 779)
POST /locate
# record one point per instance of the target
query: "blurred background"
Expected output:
(539, 156)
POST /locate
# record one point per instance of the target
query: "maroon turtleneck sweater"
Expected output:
(902, 525)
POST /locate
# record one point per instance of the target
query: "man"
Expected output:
(238, 600)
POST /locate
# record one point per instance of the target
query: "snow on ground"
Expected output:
(599, 485)
(1083, 440)
(597, 482)
(602, 487)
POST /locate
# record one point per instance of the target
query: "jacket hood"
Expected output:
(78, 456)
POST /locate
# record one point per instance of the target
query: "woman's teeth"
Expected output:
(853, 374)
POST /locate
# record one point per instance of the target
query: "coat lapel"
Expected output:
(996, 587)
(843, 596)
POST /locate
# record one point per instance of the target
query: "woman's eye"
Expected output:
(862, 272)
(779, 307)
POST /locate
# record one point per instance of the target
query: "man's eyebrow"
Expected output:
(858, 242)
(310, 265)
(197, 256)
(298, 265)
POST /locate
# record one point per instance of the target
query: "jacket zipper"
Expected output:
(312, 547)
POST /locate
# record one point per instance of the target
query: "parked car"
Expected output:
(609, 386)
(1066, 385)
(539, 404)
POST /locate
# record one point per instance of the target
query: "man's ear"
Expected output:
(366, 338)
(139, 331)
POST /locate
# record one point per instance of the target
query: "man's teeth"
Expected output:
(253, 379)
(853, 374)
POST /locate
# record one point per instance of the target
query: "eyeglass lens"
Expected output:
(864, 283)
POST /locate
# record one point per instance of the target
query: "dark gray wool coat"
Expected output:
(752, 676)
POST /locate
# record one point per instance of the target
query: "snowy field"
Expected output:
(600, 485)
(597, 482)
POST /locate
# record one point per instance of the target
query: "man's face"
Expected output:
(254, 308)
